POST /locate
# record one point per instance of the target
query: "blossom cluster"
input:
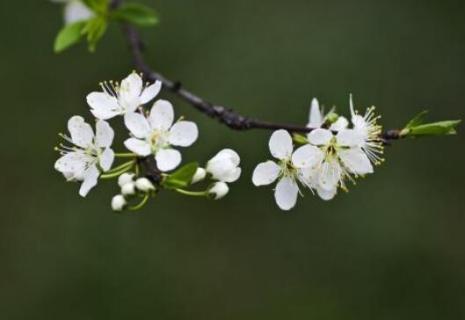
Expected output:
(334, 152)
(154, 137)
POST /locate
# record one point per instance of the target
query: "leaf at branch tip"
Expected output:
(182, 177)
(417, 120)
(98, 6)
(95, 29)
(69, 35)
(137, 14)
(441, 128)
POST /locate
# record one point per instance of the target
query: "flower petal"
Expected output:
(76, 11)
(340, 124)
(183, 134)
(168, 159)
(265, 173)
(130, 91)
(281, 144)
(286, 193)
(106, 159)
(349, 138)
(90, 180)
(103, 106)
(150, 92)
(320, 137)
(72, 165)
(81, 132)
(137, 124)
(232, 175)
(307, 156)
(104, 134)
(356, 161)
(330, 175)
(161, 115)
(139, 147)
(316, 118)
(326, 194)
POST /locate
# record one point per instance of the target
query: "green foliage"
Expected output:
(137, 14)
(95, 29)
(182, 177)
(299, 138)
(417, 127)
(68, 36)
(100, 7)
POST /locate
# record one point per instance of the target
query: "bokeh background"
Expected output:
(392, 248)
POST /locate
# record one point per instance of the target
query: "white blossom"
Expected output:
(89, 154)
(128, 189)
(157, 134)
(199, 175)
(125, 178)
(219, 190)
(118, 203)
(144, 185)
(341, 158)
(75, 11)
(225, 166)
(121, 99)
(289, 169)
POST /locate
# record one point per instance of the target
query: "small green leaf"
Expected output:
(68, 36)
(440, 128)
(95, 29)
(417, 120)
(137, 14)
(182, 177)
(300, 139)
(98, 6)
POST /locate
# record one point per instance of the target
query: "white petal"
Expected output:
(130, 91)
(307, 156)
(349, 138)
(356, 161)
(81, 132)
(137, 124)
(320, 137)
(72, 165)
(340, 124)
(286, 193)
(326, 194)
(150, 92)
(139, 147)
(330, 175)
(229, 154)
(359, 122)
(168, 159)
(77, 11)
(106, 159)
(104, 134)
(90, 180)
(316, 118)
(183, 134)
(281, 144)
(161, 115)
(265, 173)
(224, 166)
(103, 106)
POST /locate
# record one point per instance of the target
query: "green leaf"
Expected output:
(300, 139)
(68, 36)
(440, 128)
(182, 177)
(137, 14)
(95, 29)
(98, 6)
(417, 120)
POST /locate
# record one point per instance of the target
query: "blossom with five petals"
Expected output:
(290, 168)
(157, 134)
(121, 99)
(89, 155)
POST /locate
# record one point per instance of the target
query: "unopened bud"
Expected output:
(125, 178)
(199, 175)
(219, 190)
(144, 184)
(128, 189)
(118, 203)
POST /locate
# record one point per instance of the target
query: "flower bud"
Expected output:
(219, 190)
(128, 189)
(118, 203)
(125, 178)
(225, 166)
(144, 184)
(199, 175)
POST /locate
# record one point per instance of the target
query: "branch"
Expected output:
(226, 116)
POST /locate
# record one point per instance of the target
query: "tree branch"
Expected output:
(225, 115)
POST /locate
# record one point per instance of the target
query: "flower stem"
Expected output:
(120, 167)
(141, 204)
(192, 193)
(125, 155)
(115, 174)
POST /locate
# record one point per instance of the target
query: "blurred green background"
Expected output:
(393, 248)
